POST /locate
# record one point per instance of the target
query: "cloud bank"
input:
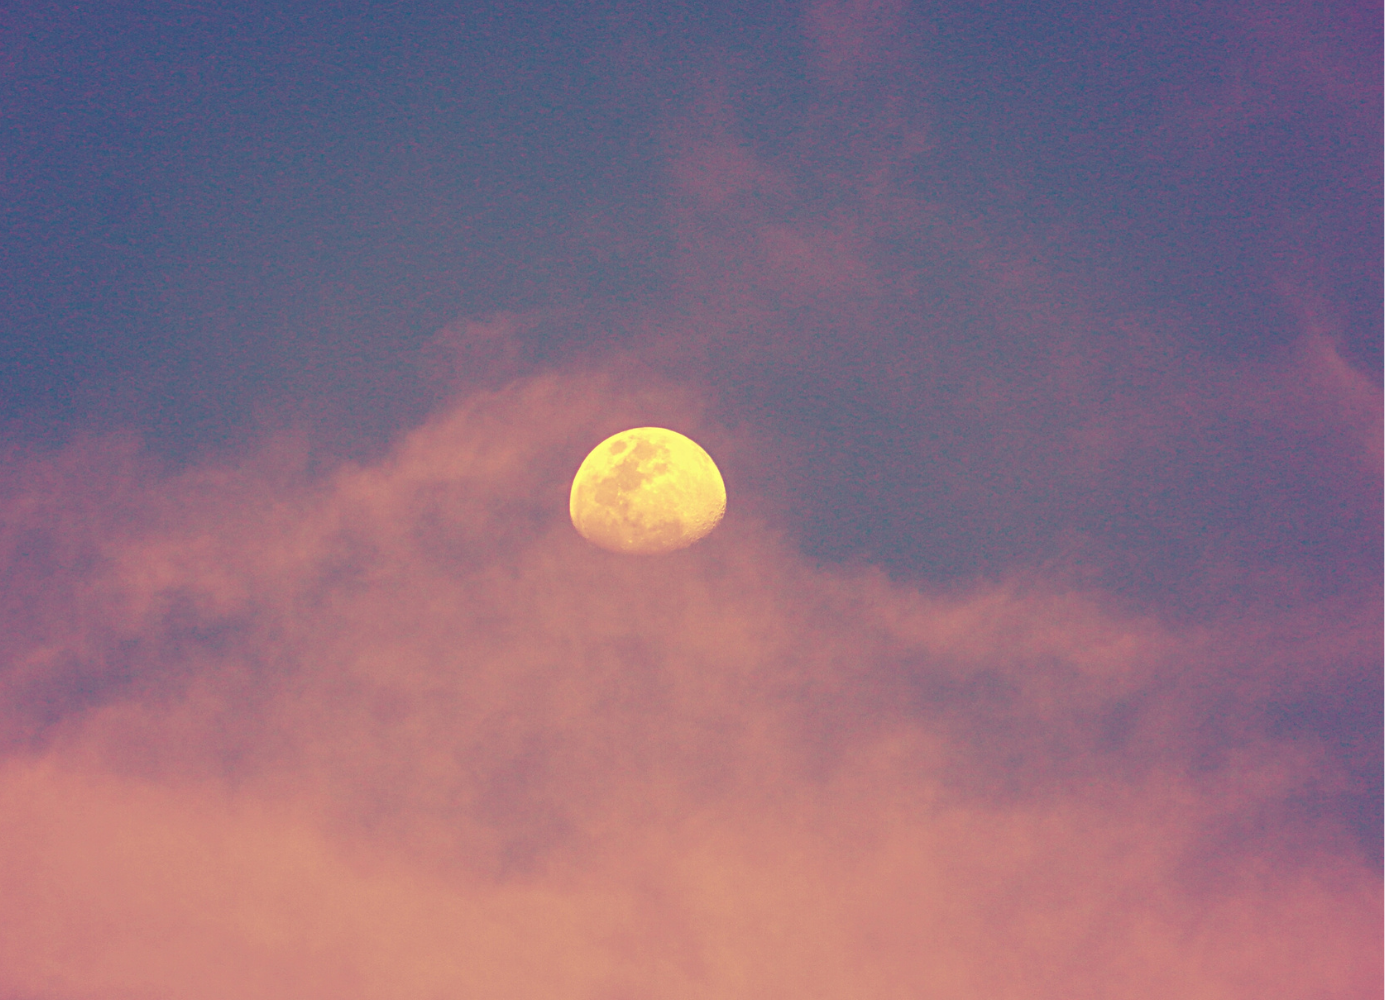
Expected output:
(393, 729)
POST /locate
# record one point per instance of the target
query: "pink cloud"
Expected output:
(394, 729)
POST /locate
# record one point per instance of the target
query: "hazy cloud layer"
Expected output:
(396, 730)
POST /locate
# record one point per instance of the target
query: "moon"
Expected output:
(646, 491)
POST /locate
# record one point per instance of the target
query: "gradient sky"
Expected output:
(1038, 656)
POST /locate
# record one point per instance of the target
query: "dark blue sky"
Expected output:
(211, 210)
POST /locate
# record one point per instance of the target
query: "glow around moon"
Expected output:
(647, 490)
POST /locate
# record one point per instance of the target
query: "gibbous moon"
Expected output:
(646, 491)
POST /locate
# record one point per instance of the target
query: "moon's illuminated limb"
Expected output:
(647, 490)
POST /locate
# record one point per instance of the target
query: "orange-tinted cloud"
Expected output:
(393, 729)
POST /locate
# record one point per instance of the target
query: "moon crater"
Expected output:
(647, 490)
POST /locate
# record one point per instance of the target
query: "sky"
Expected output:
(1038, 654)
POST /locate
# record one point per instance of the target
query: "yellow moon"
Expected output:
(646, 491)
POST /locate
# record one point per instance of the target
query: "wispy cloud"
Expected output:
(394, 729)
